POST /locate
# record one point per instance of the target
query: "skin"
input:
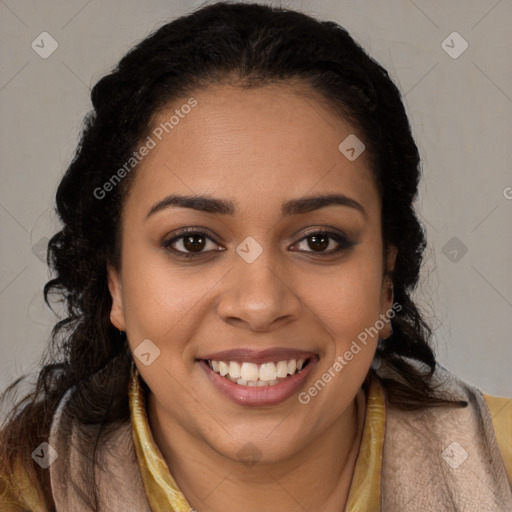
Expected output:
(258, 148)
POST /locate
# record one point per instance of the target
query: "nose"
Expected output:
(258, 297)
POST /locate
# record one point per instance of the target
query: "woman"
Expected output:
(238, 253)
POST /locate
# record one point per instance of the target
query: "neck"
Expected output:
(214, 483)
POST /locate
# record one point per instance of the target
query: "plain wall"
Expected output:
(460, 110)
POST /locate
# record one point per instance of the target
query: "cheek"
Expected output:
(347, 307)
(346, 300)
(156, 297)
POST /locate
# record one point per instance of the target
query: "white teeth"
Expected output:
(267, 372)
(249, 371)
(234, 370)
(282, 369)
(251, 374)
(223, 368)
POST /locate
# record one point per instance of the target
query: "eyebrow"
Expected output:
(225, 207)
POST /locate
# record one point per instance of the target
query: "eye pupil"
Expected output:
(318, 242)
(190, 245)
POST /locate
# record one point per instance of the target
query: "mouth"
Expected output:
(258, 378)
(258, 375)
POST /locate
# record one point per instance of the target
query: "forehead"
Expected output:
(253, 145)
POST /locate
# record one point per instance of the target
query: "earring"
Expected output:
(134, 370)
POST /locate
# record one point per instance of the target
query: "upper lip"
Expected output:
(259, 356)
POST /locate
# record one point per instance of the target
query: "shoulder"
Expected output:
(19, 492)
(485, 417)
(26, 455)
(451, 453)
(500, 409)
(494, 414)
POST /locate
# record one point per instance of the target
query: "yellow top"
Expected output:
(18, 494)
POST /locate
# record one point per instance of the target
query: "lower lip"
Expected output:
(259, 396)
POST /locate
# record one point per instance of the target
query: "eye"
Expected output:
(190, 243)
(320, 241)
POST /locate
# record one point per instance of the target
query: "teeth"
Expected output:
(234, 370)
(267, 372)
(249, 371)
(223, 368)
(251, 374)
(282, 369)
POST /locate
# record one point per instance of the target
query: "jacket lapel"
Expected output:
(115, 470)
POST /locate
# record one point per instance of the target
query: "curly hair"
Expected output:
(250, 45)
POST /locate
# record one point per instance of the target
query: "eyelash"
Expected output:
(343, 242)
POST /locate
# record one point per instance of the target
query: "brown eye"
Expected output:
(318, 242)
(191, 244)
(324, 242)
(194, 243)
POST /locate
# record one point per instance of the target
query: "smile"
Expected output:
(258, 378)
(260, 375)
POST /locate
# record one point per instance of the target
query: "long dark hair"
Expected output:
(250, 45)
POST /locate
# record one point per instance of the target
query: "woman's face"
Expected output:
(260, 289)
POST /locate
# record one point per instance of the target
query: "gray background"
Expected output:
(460, 110)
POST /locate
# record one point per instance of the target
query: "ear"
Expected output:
(387, 293)
(116, 292)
